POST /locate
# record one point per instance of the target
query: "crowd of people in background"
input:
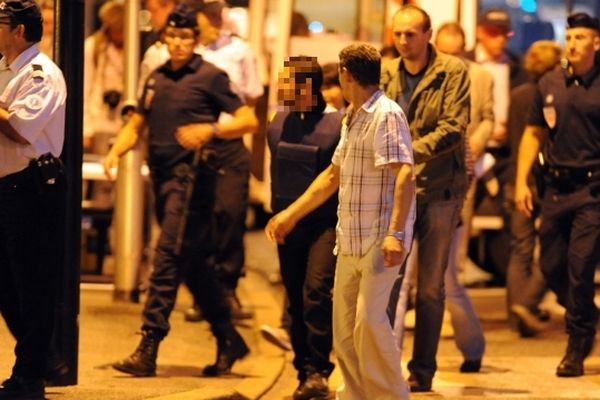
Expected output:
(378, 163)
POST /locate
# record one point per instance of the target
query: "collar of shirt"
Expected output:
(224, 39)
(586, 79)
(367, 106)
(191, 65)
(21, 59)
(482, 56)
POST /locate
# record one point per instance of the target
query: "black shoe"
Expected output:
(230, 348)
(238, 311)
(312, 388)
(417, 385)
(528, 323)
(57, 374)
(578, 349)
(19, 388)
(470, 366)
(193, 314)
(143, 360)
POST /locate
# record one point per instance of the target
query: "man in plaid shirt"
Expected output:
(373, 169)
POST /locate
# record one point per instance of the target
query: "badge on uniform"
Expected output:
(34, 102)
(549, 111)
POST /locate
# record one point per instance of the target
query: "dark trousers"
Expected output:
(307, 267)
(435, 227)
(30, 255)
(231, 204)
(192, 264)
(570, 242)
(525, 284)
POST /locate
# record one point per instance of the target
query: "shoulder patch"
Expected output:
(34, 102)
(38, 72)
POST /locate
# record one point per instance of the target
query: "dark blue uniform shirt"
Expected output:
(569, 107)
(195, 93)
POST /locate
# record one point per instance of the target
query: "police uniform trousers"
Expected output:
(191, 265)
(31, 252)
(307, 266)
(570, 251)
(230, 209)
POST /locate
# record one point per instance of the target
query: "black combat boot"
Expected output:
(230, 348)
(237, 309)
(578, 349)
(143, 360)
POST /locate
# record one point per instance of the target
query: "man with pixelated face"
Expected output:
(296, 83)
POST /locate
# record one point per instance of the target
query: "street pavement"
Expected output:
(513, 368)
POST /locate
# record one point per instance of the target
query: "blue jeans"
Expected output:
(435, 228)
(468, 334)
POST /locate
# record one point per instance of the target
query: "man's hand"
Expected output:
(110, 162)
(279, 226)
(523, 199)
(393, 251)
(194, 136)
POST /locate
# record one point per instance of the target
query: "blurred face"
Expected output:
(450, 42)
(48, 16)
(333, 96)
(181, 43)
(581, 44)
(493, 40)
(210, 21)
(7, 36)
(293, 95)
(409, 38)
(159, 13)
(115, 34)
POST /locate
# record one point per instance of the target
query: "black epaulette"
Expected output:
(38, 72)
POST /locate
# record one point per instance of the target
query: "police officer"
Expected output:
(567, 105)
(180, 105)
(32, 120)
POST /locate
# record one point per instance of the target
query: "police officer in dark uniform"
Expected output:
(32, 121)
(180, 105)
(568, 106)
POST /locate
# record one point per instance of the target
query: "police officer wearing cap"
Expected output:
(32, 120)
(568, 107)
(180, 105)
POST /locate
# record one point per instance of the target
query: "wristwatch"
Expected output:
(397, 234)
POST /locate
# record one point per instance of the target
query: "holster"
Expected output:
(46, 170)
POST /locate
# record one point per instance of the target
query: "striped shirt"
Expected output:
(372, 137)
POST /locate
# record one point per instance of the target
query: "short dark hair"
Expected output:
(426, 17)
(306, 67)
(331, 75)
(363, 62)
(26, 13)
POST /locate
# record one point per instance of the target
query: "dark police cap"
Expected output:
(19, 9)
(582, 20)
(495, 18)
(183, 16)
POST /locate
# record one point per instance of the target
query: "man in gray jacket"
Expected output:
(433, 90)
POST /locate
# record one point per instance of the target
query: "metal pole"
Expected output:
(68, 53)
(281, 48)
(129, 202)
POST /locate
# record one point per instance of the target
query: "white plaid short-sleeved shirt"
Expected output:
(373, 136)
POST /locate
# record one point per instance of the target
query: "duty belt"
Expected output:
(567, 180)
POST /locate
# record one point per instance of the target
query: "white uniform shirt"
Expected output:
(35, 101)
